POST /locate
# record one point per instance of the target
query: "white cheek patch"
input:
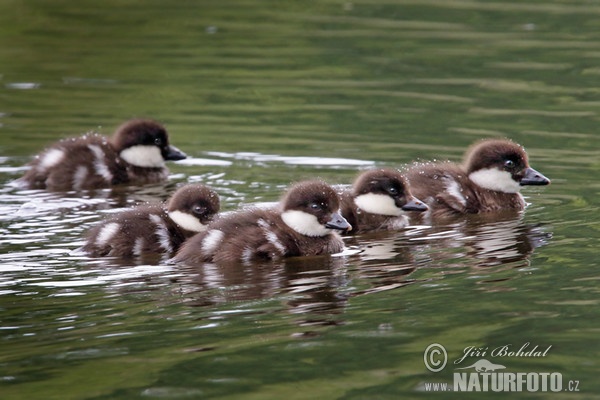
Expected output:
(304, 223)
(143, 156)
(51, 158)
(453, 189)
(164, 239)
(495, 179)
(212, 241)
(380, 204)
(187, 221)
(100, 163)
(107, 232)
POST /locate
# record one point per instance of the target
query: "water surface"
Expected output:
(262, 94)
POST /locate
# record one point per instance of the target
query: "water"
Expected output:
(261, 94)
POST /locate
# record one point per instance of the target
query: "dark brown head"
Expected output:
(311, 208)
(384, 191)
(144, 143)
(501, 165)
(193, 206)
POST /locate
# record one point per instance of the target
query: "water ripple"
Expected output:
(316, 161)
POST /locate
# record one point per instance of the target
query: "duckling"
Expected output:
(378, 200)
(490, 179)
(155, 228)
(135, 154)
(304, 223)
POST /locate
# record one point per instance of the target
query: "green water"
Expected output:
(261, 94)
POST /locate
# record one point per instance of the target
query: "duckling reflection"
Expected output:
(385, 259)
(318, 291)
(37, 202)
(315, 287)
(503, 239)
(308, 284)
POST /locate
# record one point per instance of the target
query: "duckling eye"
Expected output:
(393, 191)
(158, 141)
(315, 206)
(509, 164)
(199, 210)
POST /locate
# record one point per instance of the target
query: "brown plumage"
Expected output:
(134, 154)
(378, 200)
(154, 228)
(301, 225)
(488, 180)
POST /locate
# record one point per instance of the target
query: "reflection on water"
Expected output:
(262, 94)
(261, 159)
(485, 240)
(372, 263)
(46, 229)
(309, 286)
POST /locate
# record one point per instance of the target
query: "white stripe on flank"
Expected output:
(453, 189)
(187, 221)
(271, 236)
(143, 156)
(81, 173)
(212, 241)
(164, 239)
(100, 163)
(138, 246)
(495, 179)
(107, 232)
(247, 254)
(380, 204)
(50, 158)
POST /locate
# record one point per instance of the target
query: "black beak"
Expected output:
(532, 177)
(338, 222)
(174, 154)
(414, 204)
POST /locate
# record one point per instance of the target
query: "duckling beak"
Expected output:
(174, 154)
(532, 177)
(338, 222)
(414, 204)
